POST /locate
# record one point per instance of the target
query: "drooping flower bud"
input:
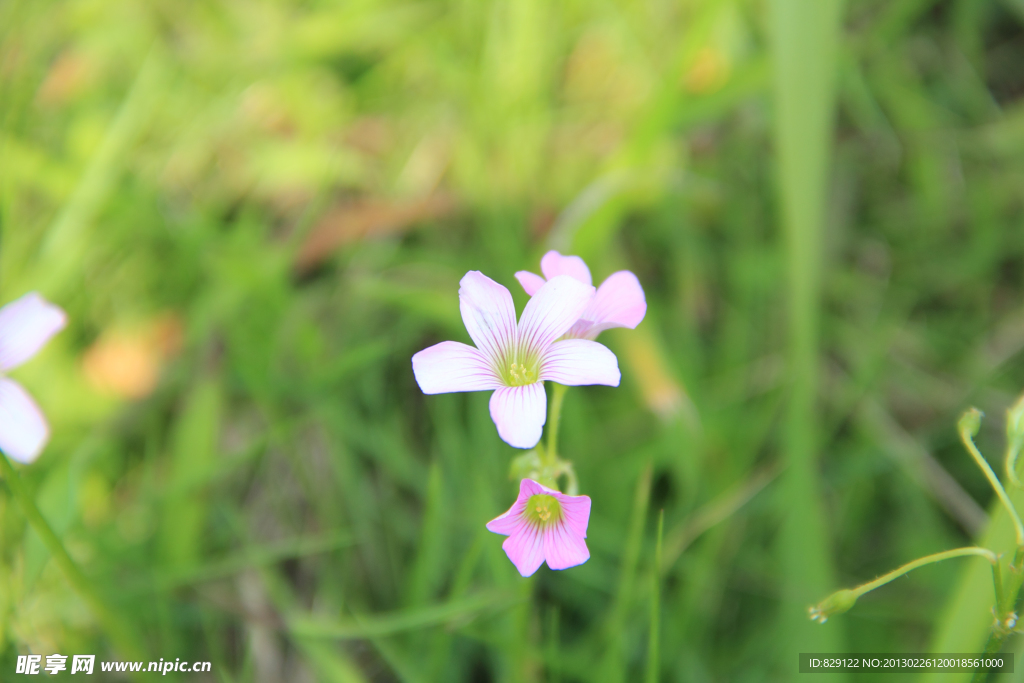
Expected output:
(837, 603)
(970, 422)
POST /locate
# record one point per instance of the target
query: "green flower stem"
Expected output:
(1006, 595)
(557, 396)
(1016, 582)
(968, 426)
(843, 600)
(1006, 617)
(997, 581)
(1012, 587)
(1012, 451)
(122, 637)
(921, 562)
(1014, 440)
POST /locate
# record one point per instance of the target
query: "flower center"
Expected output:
(543, 510)
(520, 375)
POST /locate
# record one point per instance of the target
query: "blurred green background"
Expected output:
(256, 211)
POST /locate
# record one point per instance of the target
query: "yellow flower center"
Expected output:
(543, 510)
(520, 375)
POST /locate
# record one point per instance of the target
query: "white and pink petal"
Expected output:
(489, 314)
(451, 366)
(619, 302)
(553, 264)
(531, 282)
(23, 429)
(586, 329)
(579, 362)
(525, 549)
(512, 520)
(25, 326)
(563, 548)
(552, 311)
(529, 487)
(519, 413)
(576, 510)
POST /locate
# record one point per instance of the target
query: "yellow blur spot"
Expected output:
(661, 391)
(709, 71)
(127, 363)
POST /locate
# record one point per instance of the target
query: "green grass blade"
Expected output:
(246, 559)
(60, 260)
(654, 633)
(370, 626)
(615, 665)
(804, 36)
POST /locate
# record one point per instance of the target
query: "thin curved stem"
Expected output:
(966, 437)
(1014, 440)
(843, 600)
(921, 562)
(1013, 446)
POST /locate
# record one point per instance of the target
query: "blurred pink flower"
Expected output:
(544, 525)
(514, 359)
(619, 301)
(25, 326)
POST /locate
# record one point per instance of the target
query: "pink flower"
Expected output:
(514, 359)
(544, 524)
(25, 326)
(619, 301)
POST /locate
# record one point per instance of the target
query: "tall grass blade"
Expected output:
(615, 666)
(804, 38)
(654, 632)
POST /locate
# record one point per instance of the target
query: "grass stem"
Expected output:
(119, 634)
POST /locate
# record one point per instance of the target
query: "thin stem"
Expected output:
(1006, 619)
(997, 582)
(655, 629)
(843, 600)
(1014, 440)
(921, 562)
(966, 437)
(1016, 579)
(557, 396)
(122, 637)
(1013, 446)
